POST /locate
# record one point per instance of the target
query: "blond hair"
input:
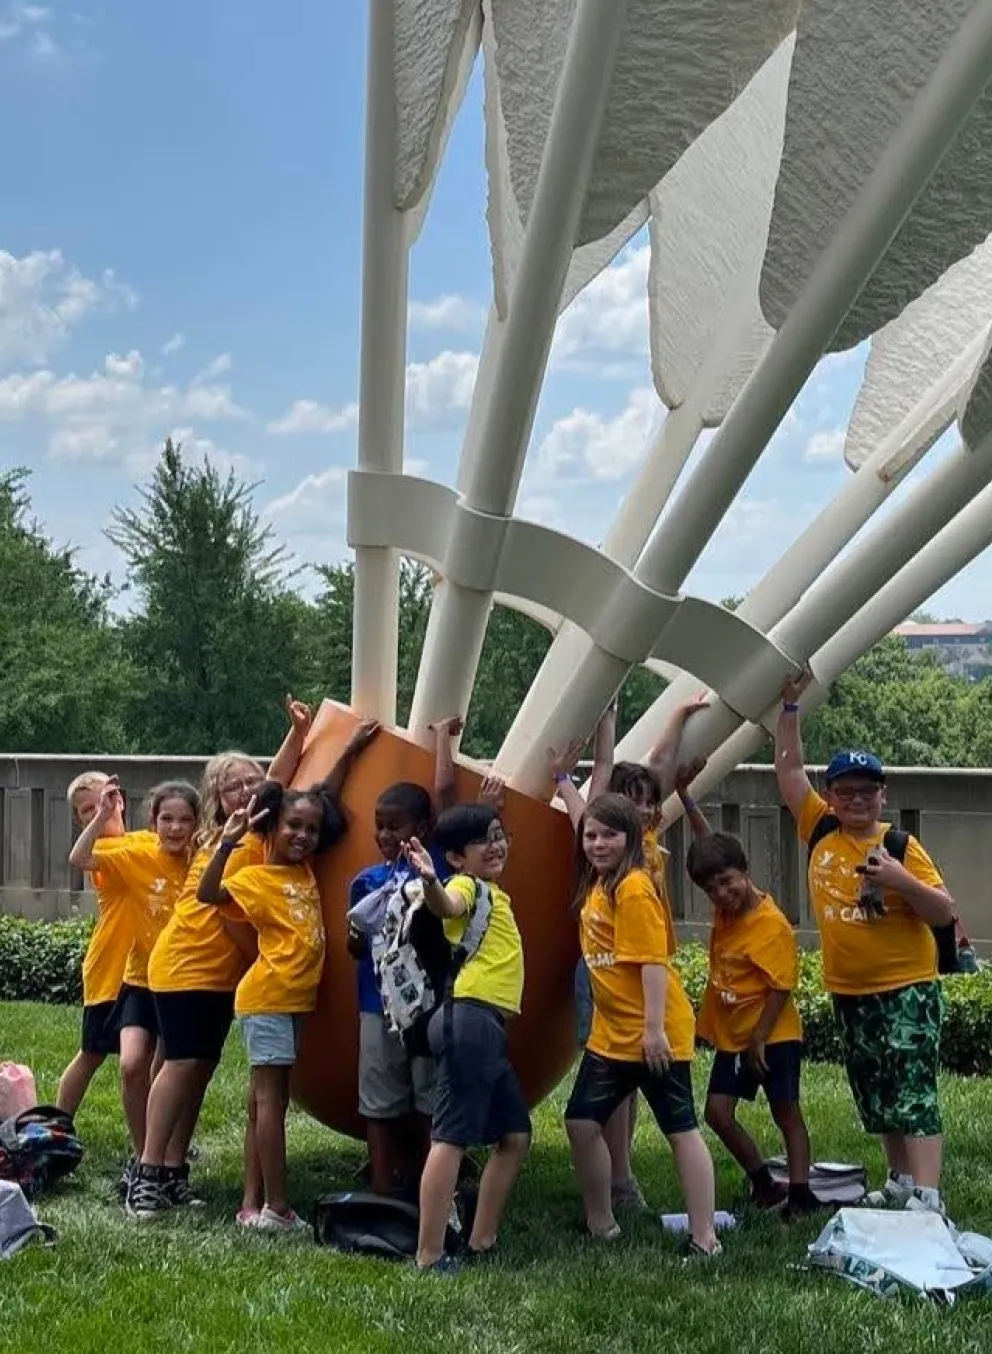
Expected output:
(212, 816)
(86, 780)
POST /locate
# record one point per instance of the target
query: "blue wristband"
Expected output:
(560, 779)
(790, 708)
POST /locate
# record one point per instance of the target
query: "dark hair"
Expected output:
(412, 801)
(635, 781)
(711, 855)
(172, 789)
(464, 825)
(276, 800)
(614, 811)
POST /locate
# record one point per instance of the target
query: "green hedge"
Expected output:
(42, 961)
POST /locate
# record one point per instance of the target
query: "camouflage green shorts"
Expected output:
(891, 1044)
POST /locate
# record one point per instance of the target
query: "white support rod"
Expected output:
(806, 559)
(642, 506)
(385, 265)
(953, 549)
(491, 474)
(864, 571)
(837, 279)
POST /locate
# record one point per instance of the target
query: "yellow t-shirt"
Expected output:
(136, 870)
(751, 956)
(195, 953)
(495, 973)
(656, 863)
(617, 940)
(863, 955)
(113, 934)
(283, 905)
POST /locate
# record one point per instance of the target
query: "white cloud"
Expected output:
(198, 449)
(112, 411)
(20, 18)
(214, 368)
(42, 300)
(172, 345)
(435, 392)
(585, 446)
(43, 45)
(307, 416)
(452, 313)
(605, 329)
(825, 446)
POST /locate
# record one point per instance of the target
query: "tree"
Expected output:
(63, 678)
(219, 637)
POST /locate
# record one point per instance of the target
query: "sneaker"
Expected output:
(271, 1221)
(628, 1194)
(247, 1217)
(691, 1250)
(447, 1265)
(148, 1193)
(895, 1193)
(924, 1200)
(801, 1203)
(181, 1192)
(123, 1184)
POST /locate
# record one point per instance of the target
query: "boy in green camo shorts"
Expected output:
(875, 914)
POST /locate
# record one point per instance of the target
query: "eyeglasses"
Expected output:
(237, 787)
(847, 794)
(494, 837)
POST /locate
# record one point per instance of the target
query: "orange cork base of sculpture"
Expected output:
(538, 879)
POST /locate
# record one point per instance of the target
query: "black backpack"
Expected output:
(896, 842)
(370, 1224)
(38, 1148)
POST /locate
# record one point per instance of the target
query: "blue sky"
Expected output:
(180, 254)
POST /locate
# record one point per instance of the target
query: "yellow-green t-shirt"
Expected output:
(864, 955)
(495, 973)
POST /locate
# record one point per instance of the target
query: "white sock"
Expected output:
(928, 1196)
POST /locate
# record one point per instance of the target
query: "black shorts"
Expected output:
(732, 1074)
(478, 1100)
(101, 1033)
(194, 1025)
(135, 1006)
(603, 1084)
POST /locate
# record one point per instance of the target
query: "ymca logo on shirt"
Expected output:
(838, 883)
(304, 911)
(158, 898)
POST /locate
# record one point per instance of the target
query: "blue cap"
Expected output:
(855, 762)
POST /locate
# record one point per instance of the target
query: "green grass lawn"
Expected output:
(194, 1283)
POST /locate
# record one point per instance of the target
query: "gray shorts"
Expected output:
(271, 1040)
(391, 1083)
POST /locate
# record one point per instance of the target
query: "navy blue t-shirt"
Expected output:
(364, 883)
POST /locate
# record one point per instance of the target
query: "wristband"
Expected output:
(226, 847)
(688, 802)
(561, 778)
(790, 708)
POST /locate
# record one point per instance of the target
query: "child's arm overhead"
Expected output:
(283, 765)
(603, 749)
(654, 1041)
(333, 782)
(561, 765)
(664, 756)
(790, 770)
(684, 777)
(101, 825)
(437, 899)
(211, 887)
(493, 791)
(445, 732)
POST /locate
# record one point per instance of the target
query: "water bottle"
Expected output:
(679, 1222)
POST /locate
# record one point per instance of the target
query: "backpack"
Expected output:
(370, 1224)
(37, 1148)
(896, 842)
(415, 965)
(830, 1182)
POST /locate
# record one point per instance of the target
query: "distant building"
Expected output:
(962, 649)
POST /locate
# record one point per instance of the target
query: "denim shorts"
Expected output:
(271, 1040)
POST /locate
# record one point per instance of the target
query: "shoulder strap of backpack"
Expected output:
(896, 842)
(827, 824)
(475, 931)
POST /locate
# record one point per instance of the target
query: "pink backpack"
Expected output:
(17, 1090)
